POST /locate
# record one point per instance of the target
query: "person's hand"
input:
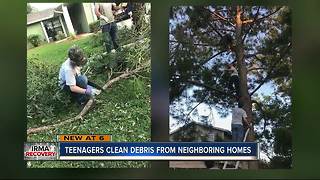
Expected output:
(130, 13)
(104, 18)
(89, 91)
(249, 124)
(96, 91)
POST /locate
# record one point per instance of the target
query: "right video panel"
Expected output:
(230, 80)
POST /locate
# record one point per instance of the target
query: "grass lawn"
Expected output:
(123, 110)
(56, 53)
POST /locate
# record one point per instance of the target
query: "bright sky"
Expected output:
(203, 109)
(217, 121)
(43, 6)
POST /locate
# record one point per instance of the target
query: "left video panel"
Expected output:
(88, 72)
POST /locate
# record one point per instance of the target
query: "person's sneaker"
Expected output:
(105, 53)
(113, 51)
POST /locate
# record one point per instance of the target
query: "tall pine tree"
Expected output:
(204, 39)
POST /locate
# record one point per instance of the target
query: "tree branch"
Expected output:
(196, 44)
(251, 25)
(216, 14)
(270, 71)
(210, 87)
(254, 69)
(247, 21)
(195, 106)
(89, 104)
(260, 107)
(259, 19)
(215, 30)
(266, 16)
(215, 55)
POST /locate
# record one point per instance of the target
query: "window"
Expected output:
(53, 27)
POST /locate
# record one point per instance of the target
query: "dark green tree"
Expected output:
(258, 39)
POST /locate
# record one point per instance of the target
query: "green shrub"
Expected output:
(34, 39)
(94, 26)
(44, 98)
(97, 39)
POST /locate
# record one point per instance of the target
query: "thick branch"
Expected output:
(89, 104)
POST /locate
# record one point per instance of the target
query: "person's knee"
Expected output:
(82, 81)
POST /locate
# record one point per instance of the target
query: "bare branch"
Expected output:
(247, 21)
(255, 69)
(222, 18)
(196, 44)
(227, 30)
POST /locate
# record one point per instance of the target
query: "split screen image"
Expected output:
(230, 77)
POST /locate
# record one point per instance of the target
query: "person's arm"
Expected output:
(98, 13)
(89, 91)
(71, 82)
(97, 10)
(245, 118)
(77, 89)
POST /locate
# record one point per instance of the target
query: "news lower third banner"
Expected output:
(102, 150)
(158, 151)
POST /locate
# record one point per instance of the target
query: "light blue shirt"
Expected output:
(68, 73)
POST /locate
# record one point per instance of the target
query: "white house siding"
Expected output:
(89, 13)
(67, 19)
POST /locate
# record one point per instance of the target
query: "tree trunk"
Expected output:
(245, 97)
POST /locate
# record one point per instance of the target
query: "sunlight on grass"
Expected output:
(123, 110)
(56, 53)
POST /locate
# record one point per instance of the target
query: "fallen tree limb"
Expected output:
(89, 104)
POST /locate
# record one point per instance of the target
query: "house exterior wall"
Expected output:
(78, 18)
(67, 21)
(36, 29)
(89, 14)
(64, 24)
(198, 133)
(83, 19)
